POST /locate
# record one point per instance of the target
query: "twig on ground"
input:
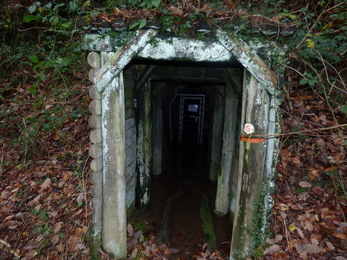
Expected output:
(12, 251)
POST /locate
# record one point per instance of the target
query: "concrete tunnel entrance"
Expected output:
(188, 113)
(147, 110)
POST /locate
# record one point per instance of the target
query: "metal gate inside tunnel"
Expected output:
(189, 132)
(214, 111)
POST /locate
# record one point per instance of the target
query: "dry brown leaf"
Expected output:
(134, 253)
(57, 227)
(30, 254)
(282, 207)
(310, 248)
(339, 235)
(301, 234)
(305, 184)
(303, 255)
(272, 249)
(73, 240)
(45, 185)
(308, 225)
(130, 230)
(330, 245)
(167, 251)
(313, 174)
(277, 239)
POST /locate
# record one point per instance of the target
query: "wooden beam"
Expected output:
(121, 58)
(228, 146)
(144, 147)
(250, 60)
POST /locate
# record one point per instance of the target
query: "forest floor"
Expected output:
(45, 190)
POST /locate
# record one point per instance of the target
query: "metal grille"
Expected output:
(189, 119)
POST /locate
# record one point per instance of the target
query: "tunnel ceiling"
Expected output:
(188, 73)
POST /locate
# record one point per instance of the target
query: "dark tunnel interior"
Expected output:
(188, 100)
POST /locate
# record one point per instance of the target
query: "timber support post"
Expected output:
(144, 146)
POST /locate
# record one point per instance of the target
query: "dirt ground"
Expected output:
(186, 231)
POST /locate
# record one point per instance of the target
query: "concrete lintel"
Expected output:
(177, 48)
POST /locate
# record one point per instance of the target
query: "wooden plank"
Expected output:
(130, 122)
(129, 113)
(228, 144)
(131, 155)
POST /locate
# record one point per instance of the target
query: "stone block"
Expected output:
(96, 136)
(95, 150)
(92, 74)
(95, 121)
(96, 164)
(94, 93)
(97, 190)
(96, 178)
(94, 60)
(95, 107)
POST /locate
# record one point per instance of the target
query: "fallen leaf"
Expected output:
(303, 255)
(277, 239)
(339, 235)
(281, 206)
(330, 245)
(57, 227)
(305, 184)
(130, 230)
(310, 248)
(45, 185)
(174, 250)
(272, 249)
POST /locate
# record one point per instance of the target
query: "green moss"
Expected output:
(207, 223)
(131, 210)
(93, 243)
(259, 252)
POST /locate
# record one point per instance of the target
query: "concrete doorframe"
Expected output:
(253, 167)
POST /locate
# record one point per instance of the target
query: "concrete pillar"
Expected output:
(217, 132)
(114, 170)
(144, 146)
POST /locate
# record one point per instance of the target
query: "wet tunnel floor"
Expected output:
(186, 230)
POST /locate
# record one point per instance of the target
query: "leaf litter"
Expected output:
(45, 188)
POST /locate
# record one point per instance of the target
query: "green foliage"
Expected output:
(146, 3)
(140, 24)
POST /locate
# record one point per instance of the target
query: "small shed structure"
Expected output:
(133, 87)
